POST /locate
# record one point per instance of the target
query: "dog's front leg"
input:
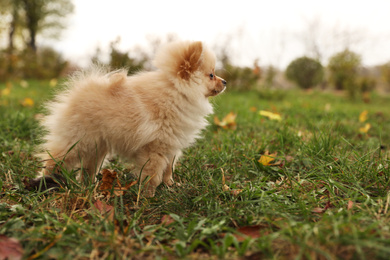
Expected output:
(151, 165)
(167, 176)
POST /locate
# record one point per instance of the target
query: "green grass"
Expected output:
(327, 198)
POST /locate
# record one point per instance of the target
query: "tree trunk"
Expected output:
(32, 19)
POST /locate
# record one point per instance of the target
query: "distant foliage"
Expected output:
(270, 75)
(344, 71)
(305, 72)
(385, 71)
(45, 63)
(240, 78)
(121, 59)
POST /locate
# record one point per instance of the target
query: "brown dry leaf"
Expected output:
(109, 179)
(253, 109)
(235, 192)
(322, 210)
(228, 122)
(167, 220)
(248, 231)
(105, 209)
(10, 248)
(107, 182)
(267, 158)
(350, 205)
(318, 210)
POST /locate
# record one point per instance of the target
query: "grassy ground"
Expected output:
(325, 196)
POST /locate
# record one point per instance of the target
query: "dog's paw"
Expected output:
(169, 182)
(149, 192)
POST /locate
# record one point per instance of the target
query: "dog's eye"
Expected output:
(211, 76)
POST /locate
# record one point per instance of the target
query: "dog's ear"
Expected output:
(191, 60)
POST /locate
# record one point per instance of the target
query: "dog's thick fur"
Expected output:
(149, 117)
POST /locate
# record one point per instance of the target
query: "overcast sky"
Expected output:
(273, 31)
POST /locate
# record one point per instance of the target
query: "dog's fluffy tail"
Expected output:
(75, 87)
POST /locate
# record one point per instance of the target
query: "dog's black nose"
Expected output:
(224, 82)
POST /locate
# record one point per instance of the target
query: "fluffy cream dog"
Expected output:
(149, 117)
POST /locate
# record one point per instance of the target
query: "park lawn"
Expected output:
(312, 184)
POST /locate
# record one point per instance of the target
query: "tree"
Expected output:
(11, 21)
(343, 69)
(42, 16)
(305, 72)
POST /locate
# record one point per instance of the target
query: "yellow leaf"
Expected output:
(363, 116)
(28, 102)
(365, 128)
(270, 115)
(225, 187)
(6, 92)
(229, 121)
(267, 158)
(23, 84)
(53, 83)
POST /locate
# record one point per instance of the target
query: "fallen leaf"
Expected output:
(365, 129)
(363, 116)
(105, 209)
(228, 122)
(5, 92)
(350, 205)
(23, 84)
(167, 220)
(253, 109)
(270, 115)
(235, 192)
(108, 180)
(267, 158)
(322, 210)
(248, 231)
(53, 83)
(10, 248)
(318, 210)
(28, 102)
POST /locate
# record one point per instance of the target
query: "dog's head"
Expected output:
(191, 62)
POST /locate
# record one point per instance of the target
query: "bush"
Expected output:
(305, 72)
(343, 69)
